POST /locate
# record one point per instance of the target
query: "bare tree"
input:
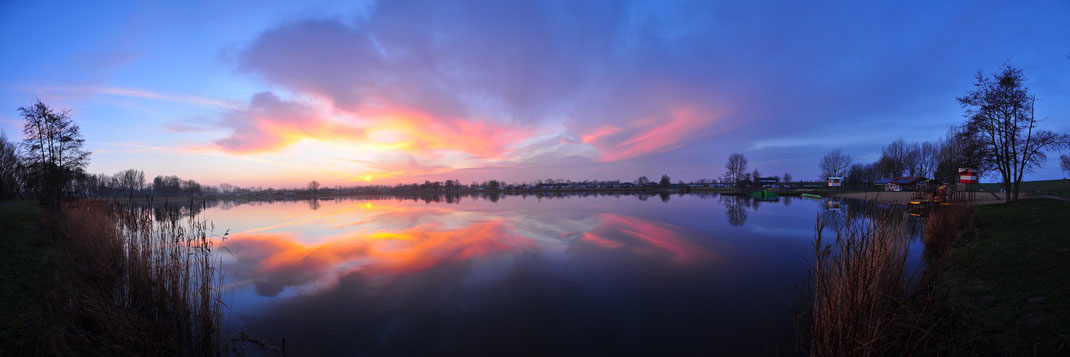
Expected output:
(861, 173)
(131, 180)
(1000, 112)
(787, 177)
(736, 168)
(928, 156)
(835, 164)
(959, 149)
(313, 186)
(52, 151)
(1065, 163)
(9, 168)
(893, 159)
(912, 159)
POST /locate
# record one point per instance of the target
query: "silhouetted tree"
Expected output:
(1000, 112)
(131, 180)
(928, 158)
(787, 177)
(893, 160)
(665, 181)
(959, 149)
(642, 181)
(52, 151)
(1065, 163)
(313, 186)
(9, 168)
(736, 168)
(834, 164)
(861, 173)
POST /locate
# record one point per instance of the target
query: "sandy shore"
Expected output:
(981, 198)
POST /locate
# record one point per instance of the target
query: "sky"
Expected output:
(277, 93)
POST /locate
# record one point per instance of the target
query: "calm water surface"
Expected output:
(681, 274)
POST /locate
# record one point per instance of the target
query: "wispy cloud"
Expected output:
(135, 93)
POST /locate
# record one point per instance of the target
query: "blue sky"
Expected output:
(278, 93)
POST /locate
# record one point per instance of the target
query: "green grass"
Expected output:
(1047, 187)
(23, 258)
(1008, 291)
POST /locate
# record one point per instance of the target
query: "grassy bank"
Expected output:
(1047, 187)
(1007, 291)
(23, 259)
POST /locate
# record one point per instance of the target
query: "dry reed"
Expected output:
(855, 302)
(945, 225)
(127, 283)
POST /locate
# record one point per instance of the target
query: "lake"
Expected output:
(520, 275)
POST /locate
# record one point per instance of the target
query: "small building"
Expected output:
(905, 183)
(770, 181)
(835, 181)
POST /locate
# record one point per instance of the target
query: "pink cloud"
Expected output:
(646, 237)
(650, 135)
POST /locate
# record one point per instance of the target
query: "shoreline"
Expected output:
(904, 197)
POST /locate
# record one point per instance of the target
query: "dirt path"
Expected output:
(981, 198)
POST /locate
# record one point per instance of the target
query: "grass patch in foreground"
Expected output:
(1008, 290)
(23, 257)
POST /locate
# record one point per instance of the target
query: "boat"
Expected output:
(810, 195)
(764, 195)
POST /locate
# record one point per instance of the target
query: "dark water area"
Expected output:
(521, 275)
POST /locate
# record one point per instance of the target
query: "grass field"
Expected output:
(23, 256)
(1047, 187)
(1007, 291)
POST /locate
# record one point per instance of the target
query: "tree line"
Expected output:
(49, 164)
(1000, 137)
(47, 160)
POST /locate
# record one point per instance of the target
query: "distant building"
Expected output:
(768, 181)
(906, 183)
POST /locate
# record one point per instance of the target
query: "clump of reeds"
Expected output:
(855, 302)
(946, 224)
(127, 283)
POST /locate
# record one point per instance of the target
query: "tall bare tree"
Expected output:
(835, 164)
(959, 149)
(1000, 112)
(736, 168)
(1065, 163)
(52, 151)
(893, 161)
(928, 157)
(313, 186)
(9, 168)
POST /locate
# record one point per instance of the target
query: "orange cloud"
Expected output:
(274, 261)
(271, 124)
(420, 132)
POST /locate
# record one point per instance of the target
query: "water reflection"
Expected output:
(507, 274)
(735, 209)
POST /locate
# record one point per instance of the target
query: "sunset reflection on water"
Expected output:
(385, 238)
(569, 274)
